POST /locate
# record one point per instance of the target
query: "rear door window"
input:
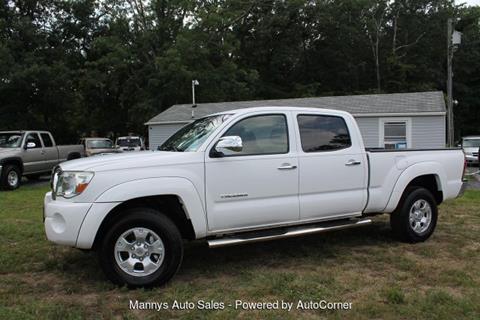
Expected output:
(323, 133)
(47, 141)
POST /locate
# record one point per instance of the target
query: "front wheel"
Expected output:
(143, 249)
(11, 177)
(415, 218)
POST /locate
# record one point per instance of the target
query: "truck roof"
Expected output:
(23, 131)
(284, 108)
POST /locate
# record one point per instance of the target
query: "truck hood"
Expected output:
(5, 152)
(131, 160)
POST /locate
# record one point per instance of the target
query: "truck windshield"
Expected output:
(191, 137)
(100, 144)
(471, 143)
(10, 139)
(128, 142)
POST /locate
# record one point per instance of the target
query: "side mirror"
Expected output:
(228, 144)
(30, 145)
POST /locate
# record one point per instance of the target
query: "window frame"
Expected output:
(381, 130)
(40, 146)
(212, 149)
(322, 115)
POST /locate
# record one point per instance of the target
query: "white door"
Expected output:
(259, 184)
(333, 168)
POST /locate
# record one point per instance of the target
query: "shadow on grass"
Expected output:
(200, 260)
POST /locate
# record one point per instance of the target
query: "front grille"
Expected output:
(475, 154)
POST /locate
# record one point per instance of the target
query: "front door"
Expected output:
(333, 167)
(34, 155)
(259, 184)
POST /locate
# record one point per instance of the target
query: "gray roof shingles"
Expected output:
(415, 102)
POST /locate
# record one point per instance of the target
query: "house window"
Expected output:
(395, 133)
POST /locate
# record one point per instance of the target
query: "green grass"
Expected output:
(384, 279)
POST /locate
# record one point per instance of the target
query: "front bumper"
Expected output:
(63, 219)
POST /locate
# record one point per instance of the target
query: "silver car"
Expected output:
(470, 146)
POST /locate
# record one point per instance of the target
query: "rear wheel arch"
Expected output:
(169, 205)
(431, 182)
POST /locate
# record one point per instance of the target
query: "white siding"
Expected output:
(369, 129)
(428, 132)
(158, 133)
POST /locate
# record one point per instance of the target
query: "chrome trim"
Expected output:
(290, 232)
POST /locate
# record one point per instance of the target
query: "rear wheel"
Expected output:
(11, 177)
(143, 249)
(415, 218)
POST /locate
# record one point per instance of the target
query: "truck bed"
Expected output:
(388, 167)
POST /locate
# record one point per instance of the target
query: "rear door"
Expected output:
(259, 184)
(51, 151)
(333, 167)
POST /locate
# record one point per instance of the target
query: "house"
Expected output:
(397, 120)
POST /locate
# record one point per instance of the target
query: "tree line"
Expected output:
(76, 66)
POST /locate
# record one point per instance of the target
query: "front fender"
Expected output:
(181, 187)
(412, 172)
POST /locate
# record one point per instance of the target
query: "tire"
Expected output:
(150, 224)
(11, 177)
(415, 218)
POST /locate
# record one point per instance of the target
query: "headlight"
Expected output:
(69, 184)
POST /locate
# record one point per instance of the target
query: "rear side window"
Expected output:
(323, 133)
(263, 134)
(47, 141)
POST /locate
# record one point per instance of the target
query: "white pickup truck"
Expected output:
(242, 176)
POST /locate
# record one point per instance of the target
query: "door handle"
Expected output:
(42, 153)
(352, 162)
(287, 166)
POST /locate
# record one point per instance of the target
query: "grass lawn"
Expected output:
(384, 279)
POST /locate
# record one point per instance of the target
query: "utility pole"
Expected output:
(194, 83)
(449, 83)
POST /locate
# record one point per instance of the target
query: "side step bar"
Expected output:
(280, 233)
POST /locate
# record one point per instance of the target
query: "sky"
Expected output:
(469, 2)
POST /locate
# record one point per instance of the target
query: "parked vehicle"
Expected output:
(130, 143)
(31, 154)
(470, 146)
(95, 146)
(243, 176)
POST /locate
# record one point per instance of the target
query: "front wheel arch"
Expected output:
(170, 205)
